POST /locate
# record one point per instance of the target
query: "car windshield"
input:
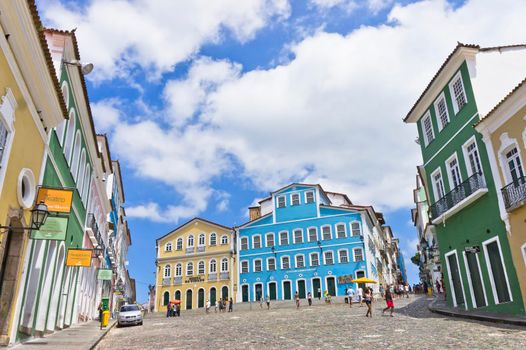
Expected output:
(129, 308)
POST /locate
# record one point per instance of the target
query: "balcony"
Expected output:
(190, 250)
(212, 276)
(200, 249)
(458, 198)
(178, 280)
(223, 276)
(166, 281)
(514, 194)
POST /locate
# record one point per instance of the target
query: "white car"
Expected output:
(129, 314)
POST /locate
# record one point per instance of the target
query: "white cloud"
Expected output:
(106, 114)
(117, 35)
(346, 5)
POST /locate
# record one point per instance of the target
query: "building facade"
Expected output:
(504, 133)
(195, 263)
(477, 264)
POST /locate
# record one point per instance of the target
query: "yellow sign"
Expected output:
(57, 200)
(79, 257)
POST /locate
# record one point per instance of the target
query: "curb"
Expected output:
(106, 331)
(476, 316)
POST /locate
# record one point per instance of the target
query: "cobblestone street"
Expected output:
(320, 326)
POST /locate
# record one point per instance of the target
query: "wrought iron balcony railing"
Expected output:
(166, 281)
(514, 194)
(178, 280)
(200, 248)
(223, 276)
(457, 195)
(212, 276)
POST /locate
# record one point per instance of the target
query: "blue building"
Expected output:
(302, 238)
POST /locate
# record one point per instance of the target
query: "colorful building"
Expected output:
(195, 263)
(477, 264)
(503, 130)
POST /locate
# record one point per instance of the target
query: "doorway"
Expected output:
(454, 278)
(259, 291)
(177, 295)
(331, 286)
(189, 299)
(224, 293)
(287, 294)
(213, 296)
(301, 289)
(316, 287)
(201, 298)
(272, 291)
(244, 293)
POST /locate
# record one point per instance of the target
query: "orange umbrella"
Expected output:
(176, 302)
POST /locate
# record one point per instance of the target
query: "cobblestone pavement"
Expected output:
(321, 326)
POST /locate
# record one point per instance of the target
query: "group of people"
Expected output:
(220, 304)
(173, 309)
(366, 296)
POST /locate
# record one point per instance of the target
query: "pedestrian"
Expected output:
(216, 304)
(168, 308)
(319, 293)
(437, 285)
(309, 298)
(360, 295)
(231, 305)
(261, 301)
(297, 298)
(382, 290)
(368, 298)
(207, 306)
(389, 302)
(350, 295)
(224, 305)
(220, 305)
(100, 314)
(406, 290)
(268, 302)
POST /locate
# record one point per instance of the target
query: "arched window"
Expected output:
(79, 176)
(201, 239)
(167, 271)
(70, 135)
(224, 239)
(168, 247)
(179, 245)
(190, 241)
(213, 266)
(178, 269)
(224, 265)
(87, 178)
(76, 155)
(190, 269)
(201, 268)
(213, 238)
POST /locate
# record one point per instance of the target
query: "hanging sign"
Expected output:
(57, 200)
(79, 257)
(472, 250)
(55, 228)
(345, 279)
(105, 274)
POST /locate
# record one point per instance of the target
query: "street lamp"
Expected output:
(319, 246)
(39, 214)
(84, 68)
(274, 251)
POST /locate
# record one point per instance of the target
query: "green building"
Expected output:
(477, 267)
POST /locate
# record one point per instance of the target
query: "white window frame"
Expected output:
(281, 262)
(450, 174)
(424, 133)
(344, 229)
(267, 235)
(523, 250)
(330, 231)
(359, 227)
(310, 258)
(177, 243)
(450, 279)
(203, 236)
(294, 236)
(214, 261)
(268, 266)
(254, 241)
(433, 184)
(243, 262)
(7, 118)
(189, 263)
(458, 75)
(168, 245)
(339, 257)
(308, 234)
(254, 265)
(313, 197)
(199, 267)
(505, 164)
(296, 260)
(284, 201)
(325, 257)
(287, 232)
(437, 113)
(292, 196)
(188, 241)
(470, 282)
(223, 260)
(167, 268)
(465, 146)
(490, 271)
(224, 239)
(241, 243)
(178, 270)
(214, 236)
(354, 254)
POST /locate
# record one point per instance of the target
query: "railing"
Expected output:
(166, 281)
(223, 276)
(178, 280)
(190, 250)
(200, 249)
(514, 194)
(212, 276)
(458, 194)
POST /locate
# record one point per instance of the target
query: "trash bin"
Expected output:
(430, 291)
(105, 318)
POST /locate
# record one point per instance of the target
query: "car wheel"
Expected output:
(140, 324)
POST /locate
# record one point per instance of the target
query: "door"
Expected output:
(244, 293)
(259, 291)
(178, 295)
(360, 274)
(316, 287)
(455, 279)
(272, 291)
(476, 282)
(201, 298)
(301, 289)
(287, 294)
(189, 299)
(331, 286)
(224, 293)
(166, 298)
(213, 296)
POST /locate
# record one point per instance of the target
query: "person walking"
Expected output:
(309, 298)
(215, 306)
(389, 302)
(350, 295)
(261, 301)
(100, 314)
(224, 305)
(319, 293)
(231, 305)
(268, 302)
(297, 298)
(406, 290)
(368, 298)
(360, 295)
(207, 306)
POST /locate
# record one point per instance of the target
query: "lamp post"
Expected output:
(319, 246)
(39, 214)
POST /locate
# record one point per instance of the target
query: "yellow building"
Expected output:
(195, 263)
(30, 105)
(504, 132)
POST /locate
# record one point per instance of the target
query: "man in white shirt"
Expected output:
(360, 295)
(350, 295)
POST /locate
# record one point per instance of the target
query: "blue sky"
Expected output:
(211, 105)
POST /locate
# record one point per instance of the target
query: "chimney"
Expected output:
(254, 213)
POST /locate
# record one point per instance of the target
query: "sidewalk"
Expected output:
(439, 306)
(82, 336)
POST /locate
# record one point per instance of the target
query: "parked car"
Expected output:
(129, 314)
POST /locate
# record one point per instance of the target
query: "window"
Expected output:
(300, 261)
(189, 269)
(358, 254)
(257, 265)
(340, 231)
(283, 238)
(497, 272)
(76, 156)
(256, 242)
(295, 199)
(356, 229)
(213, 238)
(271, 264)
(224, 239)
(441, 112)
(168, 247)
(202, 239)
(190, 241)
(70, 136)
(179, 245)
(269, 239)
(458, 95)
(313, 234)
(167, 271)
(224, 265)
(87, 178)
(428, 129)
(298, 235)
(281, 202)
(80, 171)
(178, 269)
(213, 266)
(285, 262)
(472, 157)
(244, 266)
(514, 165)
(201, 268)
(4, 133)
(309, 197)
(314, 259)
(343, 256)
(454, 173)
(438, 185)
(244, 243)
(326, 232)
(329, 258)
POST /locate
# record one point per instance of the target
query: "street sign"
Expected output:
(79, 257)
(55, 228)
(57, 200)
(472, 250)
(105, 274)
